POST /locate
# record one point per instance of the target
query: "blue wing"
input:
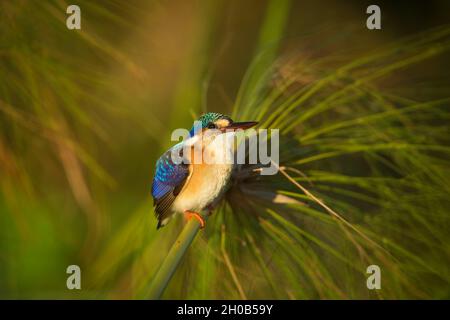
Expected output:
(168, 181)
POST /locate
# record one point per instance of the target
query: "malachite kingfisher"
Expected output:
(192, 187)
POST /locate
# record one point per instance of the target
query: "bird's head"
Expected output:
(220, 123)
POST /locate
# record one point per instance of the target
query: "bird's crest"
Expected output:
(207, 118)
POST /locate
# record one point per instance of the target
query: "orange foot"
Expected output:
(191, 214)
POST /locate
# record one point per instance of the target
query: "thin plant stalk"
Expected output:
(173, 258)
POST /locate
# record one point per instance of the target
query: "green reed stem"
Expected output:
(173, 258)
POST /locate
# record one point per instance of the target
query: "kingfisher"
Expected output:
(191, 188)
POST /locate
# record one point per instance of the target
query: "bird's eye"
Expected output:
(211, 125)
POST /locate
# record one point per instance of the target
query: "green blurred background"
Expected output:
(84, 115)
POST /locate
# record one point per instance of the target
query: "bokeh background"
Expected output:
(84, 115)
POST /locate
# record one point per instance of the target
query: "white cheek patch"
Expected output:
(191, 141)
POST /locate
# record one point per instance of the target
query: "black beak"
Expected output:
(241, 125)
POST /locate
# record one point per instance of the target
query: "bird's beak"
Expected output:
(241, 125)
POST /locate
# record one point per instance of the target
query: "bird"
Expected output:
(191, 187)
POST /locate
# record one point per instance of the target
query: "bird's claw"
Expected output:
(191, 214)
